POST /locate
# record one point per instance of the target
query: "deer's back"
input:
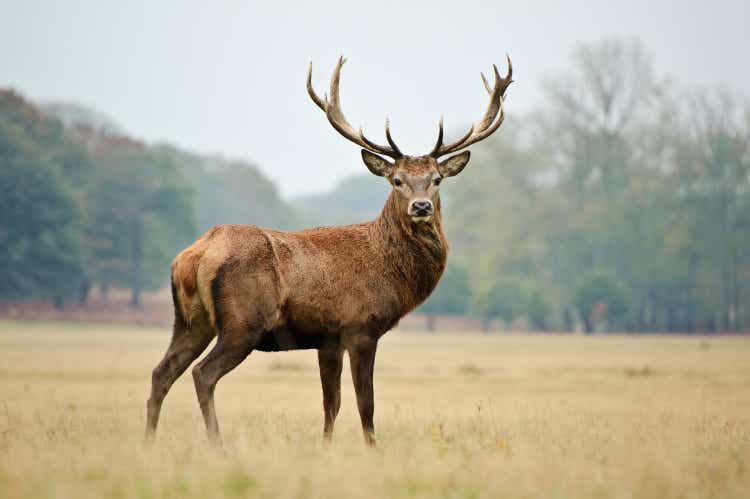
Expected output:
(303, 288)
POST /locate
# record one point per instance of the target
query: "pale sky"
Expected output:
(229, 76)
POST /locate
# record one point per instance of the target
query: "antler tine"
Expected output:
(439, 142)
(336, 117)
(374, 146)
(389, 138)
(486, 85)
(496, 97)
(440, 149)
(510, 69)
(489, 122)
(311, 92)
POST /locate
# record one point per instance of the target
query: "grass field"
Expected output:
(456, 416)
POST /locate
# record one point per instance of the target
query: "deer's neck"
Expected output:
(415, 253)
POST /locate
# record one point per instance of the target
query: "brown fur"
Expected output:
(331, 288)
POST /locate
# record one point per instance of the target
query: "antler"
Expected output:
(488, 124)
(336, 117)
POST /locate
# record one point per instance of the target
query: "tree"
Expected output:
(611, 130)
(599, 297)
(452, 295)
(713, 175)
(141, 217)
(536, 306)
(40, 234)
(595, 113)
(505, 300)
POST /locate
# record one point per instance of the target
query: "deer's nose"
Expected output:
(421, 207)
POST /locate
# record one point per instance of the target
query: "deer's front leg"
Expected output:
(362, 360)
(330, 362)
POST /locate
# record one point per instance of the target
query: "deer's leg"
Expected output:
(330, 362)
(186, 345)
(224, 357)
(362, 360)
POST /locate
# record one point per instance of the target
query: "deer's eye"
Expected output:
(437, 181)
(397, 182)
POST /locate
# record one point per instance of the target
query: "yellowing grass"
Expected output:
(457, 416)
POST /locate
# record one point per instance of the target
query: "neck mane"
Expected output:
(415, 253)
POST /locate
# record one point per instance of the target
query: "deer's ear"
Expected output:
(453, 165)
(377, 165)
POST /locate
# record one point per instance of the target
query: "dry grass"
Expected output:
(471, 416)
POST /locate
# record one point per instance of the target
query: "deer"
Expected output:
(333, 289)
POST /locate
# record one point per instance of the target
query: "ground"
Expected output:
(456, 416)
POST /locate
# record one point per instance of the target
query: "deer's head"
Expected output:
(416, 179)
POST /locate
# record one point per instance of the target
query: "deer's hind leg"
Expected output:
(225, 356)
(187, 344)
(243, 310)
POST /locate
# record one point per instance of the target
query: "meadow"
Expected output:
(459, 415)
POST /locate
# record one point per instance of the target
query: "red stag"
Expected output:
(331, 288)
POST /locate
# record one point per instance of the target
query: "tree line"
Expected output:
(621, 204)
(84, 205)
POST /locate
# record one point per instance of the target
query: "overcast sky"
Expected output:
(228, 76)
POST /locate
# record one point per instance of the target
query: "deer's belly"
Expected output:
(308, 325)
(283, 338)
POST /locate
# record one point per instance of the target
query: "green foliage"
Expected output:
(452, 295)
(85, 205)
(141, 217)
(537, 307)
(40, 232)
(505, 300)
(617, 174)
(599, 297)
(509, 299)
